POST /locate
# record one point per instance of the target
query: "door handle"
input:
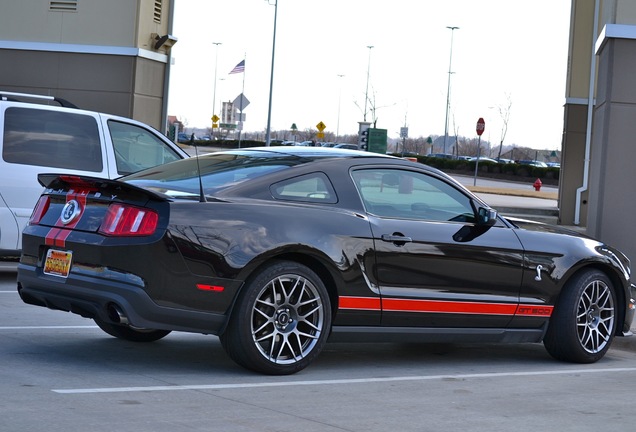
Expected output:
(395, 238)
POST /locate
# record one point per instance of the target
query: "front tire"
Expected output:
(281, 320)
(583, 323)
(129, 333)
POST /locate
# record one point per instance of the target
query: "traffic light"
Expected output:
(363, 140)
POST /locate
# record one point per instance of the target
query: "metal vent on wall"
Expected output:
(157, 11)
(63, 5)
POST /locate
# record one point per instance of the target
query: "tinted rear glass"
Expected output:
(218, 171)
(51, 139)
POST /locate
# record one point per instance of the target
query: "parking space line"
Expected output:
(48, 327)
(337, 382)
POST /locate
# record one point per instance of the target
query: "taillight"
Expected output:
(40, 209)
(126, 220)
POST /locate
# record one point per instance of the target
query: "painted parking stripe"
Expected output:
(339, 382)
(47, 327)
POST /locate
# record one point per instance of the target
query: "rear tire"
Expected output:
(583, 323)
(131, 334)
(280, 322)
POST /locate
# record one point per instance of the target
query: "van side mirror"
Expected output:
(486, 216)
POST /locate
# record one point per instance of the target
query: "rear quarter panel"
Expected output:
(232, 240)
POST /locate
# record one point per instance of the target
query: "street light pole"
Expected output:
(450, 62)
(366, 93)
(339, 99)
(216, 62)
(271, 79)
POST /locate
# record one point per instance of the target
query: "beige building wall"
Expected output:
(611, 204)
(577, 112)
(598, 151)
(98, 54)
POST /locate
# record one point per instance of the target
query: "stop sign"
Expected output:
(481, 125)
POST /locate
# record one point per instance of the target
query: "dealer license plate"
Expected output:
(57, 262)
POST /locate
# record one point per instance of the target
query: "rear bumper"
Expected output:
(93, 297)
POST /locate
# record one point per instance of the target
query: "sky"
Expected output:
(503, 53)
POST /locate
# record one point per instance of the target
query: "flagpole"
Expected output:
(241, 105)
(239, 68)
(271, 81)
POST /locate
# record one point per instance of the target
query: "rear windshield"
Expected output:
(217, 171)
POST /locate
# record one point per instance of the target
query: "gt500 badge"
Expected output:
(70, 212)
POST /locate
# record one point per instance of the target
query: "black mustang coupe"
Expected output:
(278, 249)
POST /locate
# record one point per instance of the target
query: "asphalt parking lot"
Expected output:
(62, 373)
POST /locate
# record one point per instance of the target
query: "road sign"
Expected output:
(481, 125)
(321, 126)
(404, 132)
(215, 118)
(377, 140)
(241, 102)
(320, 135)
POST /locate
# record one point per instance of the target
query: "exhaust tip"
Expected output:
(116, 315)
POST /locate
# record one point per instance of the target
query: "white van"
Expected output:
(39, 138)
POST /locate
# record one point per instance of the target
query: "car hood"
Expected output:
(529, 225)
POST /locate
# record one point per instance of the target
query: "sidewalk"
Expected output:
(537, 209)
(516, 199)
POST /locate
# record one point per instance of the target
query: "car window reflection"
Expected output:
(406, 194)
(314, 187)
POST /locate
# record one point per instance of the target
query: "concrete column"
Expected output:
(612, 207)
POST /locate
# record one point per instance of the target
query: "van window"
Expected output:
(51, 139)
(137, 148)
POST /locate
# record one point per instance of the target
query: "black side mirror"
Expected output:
(486, 216)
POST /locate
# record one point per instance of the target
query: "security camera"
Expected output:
(165, 40)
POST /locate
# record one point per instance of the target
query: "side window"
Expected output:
(411, 195)
(53, 139)
(314, 187)
(137, 148)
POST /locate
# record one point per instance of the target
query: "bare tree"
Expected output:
(456, 130)
(373, 107)
(504, 113)
(413, 145)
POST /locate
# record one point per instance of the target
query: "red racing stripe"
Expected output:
(534, 310)
(360, 303)
(57, 235)
(49, 240)
(437, 306)
(448, 307)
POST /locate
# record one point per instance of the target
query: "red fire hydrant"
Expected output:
(537, 184)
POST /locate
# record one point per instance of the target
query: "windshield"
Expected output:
(218, 171)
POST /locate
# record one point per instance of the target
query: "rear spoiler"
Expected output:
(105, 186)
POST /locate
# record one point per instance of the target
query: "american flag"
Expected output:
(238, 68)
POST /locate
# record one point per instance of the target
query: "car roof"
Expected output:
(311, 152)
